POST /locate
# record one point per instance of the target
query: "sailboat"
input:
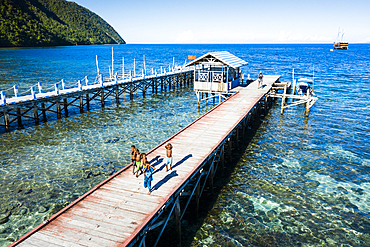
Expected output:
(339, 44)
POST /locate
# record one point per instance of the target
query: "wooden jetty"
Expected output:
(56, 101)
(308, 99)
(118, 211)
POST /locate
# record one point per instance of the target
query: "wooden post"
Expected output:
(6, 120)
(19, 118)
(229, 147)
(36, 114)
(283, 101)
(102, 98)
(197, 193)
(237, 136)
(198, 98)
(143, 89)
(243, 128)
(165, 84)
(178, 221)
(222, 158)
(117, 95)
(206, 99)
(43, 112)
(211, 173)
(153, 83)
(59, 111)
(81, 104)
(65, 103)
(87, 102)
(265, 105)
(131, 92)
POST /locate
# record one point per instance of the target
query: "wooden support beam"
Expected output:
(87, 102)
(117, 95)
(59, 110)
(237, 136)
(178, 221)
(142, 242)
(222, 158)
(81, 104)
(265, 105)
(143, 89)
(131, 92)
(102, 98)
(36, 114)
(211, 174)
(283, 101)
(65, 103)
(165, 223)
(6, 121)
(197, 193)
(19, 118)
(153, 85)
(43, 111)
(243, 127)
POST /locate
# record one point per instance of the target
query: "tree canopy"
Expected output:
(52, 22)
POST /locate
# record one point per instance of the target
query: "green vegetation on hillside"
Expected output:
(52, 22)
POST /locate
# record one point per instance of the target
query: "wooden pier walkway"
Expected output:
(39, 106)
(118, 211)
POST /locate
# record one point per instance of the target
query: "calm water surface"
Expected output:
(301, 181)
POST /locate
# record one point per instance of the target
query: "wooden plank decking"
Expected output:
(116, 210)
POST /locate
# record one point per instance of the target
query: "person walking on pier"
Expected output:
(148, 176)
(133, 158)
(168, 156)
(138, 162)
(143, 161)
(260, 80)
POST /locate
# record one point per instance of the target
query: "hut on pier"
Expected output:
(216, 73)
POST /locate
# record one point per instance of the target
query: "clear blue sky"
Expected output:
(235, 21)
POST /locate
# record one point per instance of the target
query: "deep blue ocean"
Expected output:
(302, 181)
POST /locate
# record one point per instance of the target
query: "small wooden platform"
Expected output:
(114, 212)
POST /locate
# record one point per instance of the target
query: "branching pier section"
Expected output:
(41, 105)
(118, 211)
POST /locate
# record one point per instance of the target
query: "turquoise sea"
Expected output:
(301, 181)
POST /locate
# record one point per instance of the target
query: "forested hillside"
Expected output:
(52, 22)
